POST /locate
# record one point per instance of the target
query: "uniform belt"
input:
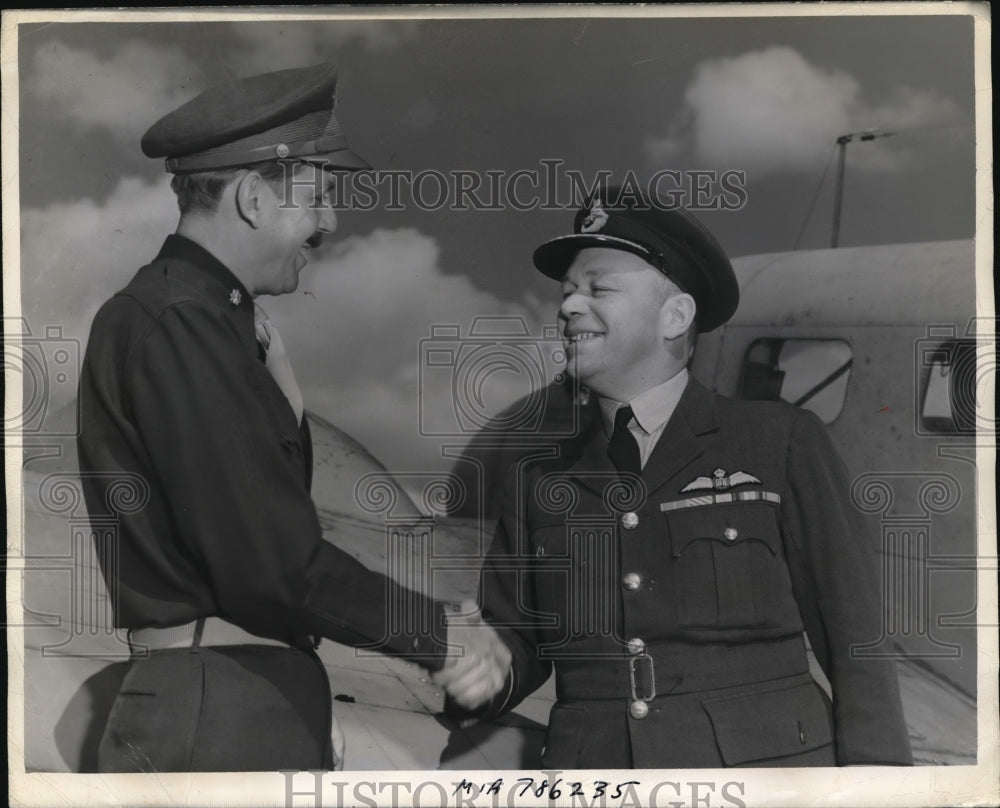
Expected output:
(665, 668)
(205, 631)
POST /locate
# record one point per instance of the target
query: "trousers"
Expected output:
(224, 708)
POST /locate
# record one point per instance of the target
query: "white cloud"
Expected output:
(353, 330)
(124, 93)
(274, 45)
(75, 255)
(771, 110)
(354, 333)
(121, 95)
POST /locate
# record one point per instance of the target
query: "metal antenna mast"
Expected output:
(838, 197)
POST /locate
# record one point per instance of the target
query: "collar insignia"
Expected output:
(235, 297)
(596, 219)
(720, 481)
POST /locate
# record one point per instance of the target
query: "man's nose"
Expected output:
(571, 304)
(327, 220)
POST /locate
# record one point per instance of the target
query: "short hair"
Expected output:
(201, 191)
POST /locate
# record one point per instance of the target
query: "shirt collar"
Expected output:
(651, 409)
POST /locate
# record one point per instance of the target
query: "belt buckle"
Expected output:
(632, 667)
(134, 648)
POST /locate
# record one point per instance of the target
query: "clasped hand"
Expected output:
(478, 660)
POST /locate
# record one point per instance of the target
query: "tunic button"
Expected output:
(638, 709)
(731, 533)
(632, 580)
(630, 520)
(636, 646)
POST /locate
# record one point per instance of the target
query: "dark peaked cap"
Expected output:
(285, 114)
(670, 239)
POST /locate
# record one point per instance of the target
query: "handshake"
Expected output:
(479, 660)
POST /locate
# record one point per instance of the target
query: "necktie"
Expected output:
(623, 449)
(276, 360)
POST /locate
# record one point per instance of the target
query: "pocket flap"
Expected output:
(772, 724)
(729, 523)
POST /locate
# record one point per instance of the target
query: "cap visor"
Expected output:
(554, 257)
(343, 159)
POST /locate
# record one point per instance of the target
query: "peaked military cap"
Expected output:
(273, 116)
(669, 238)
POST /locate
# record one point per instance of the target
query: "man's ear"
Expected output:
(249, 198)
(677, 315)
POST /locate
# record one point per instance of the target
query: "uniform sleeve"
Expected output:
(239, 501)
(835, 580)
(507, 600)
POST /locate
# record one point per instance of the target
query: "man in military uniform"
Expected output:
(220, 571)
(667, 562)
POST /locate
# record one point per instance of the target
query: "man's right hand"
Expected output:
(479, 660)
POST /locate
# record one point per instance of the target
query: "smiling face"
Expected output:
(621, 320)
(296, 214)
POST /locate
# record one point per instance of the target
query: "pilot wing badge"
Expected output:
(596, 218)
(720, 481)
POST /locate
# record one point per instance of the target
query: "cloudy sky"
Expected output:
(764, 96)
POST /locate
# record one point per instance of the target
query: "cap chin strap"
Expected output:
(616, 242)
(215, 160)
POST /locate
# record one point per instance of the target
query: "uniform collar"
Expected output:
(181, 248)
(651, 409)
(682, 442)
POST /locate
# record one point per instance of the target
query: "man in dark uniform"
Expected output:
(191, 418)
(667, 561)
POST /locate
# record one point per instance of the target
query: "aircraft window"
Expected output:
(809, 373)
(949, 403)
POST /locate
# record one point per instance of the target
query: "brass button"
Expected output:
(632, 580)
(636, 646)
(638, 709)
(630, 520)
(731, 533)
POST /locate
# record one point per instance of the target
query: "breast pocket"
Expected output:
(729, 566)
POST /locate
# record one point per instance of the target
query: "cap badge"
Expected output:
(596, 219)
(281, 150)
(235, 297)
(720, 481)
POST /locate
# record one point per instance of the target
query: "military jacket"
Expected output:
(191, 450)
(672, 604)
